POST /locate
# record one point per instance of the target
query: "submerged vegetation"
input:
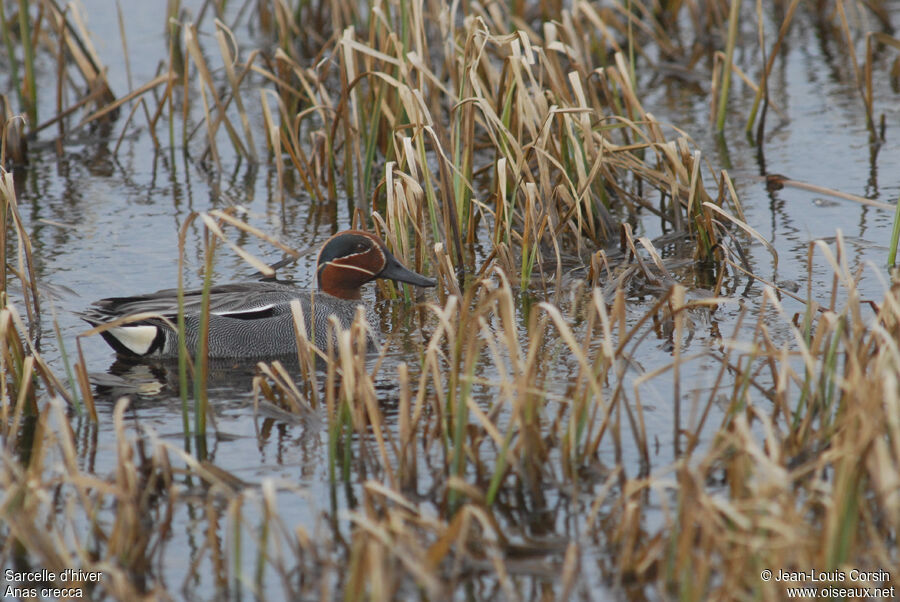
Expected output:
(504, 149)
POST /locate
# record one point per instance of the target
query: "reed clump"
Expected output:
(584, 251)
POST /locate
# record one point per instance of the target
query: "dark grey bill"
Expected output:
(394, 270)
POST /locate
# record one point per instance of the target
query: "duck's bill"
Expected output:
(394, 270)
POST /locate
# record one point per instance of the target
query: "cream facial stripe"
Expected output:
(350, 266)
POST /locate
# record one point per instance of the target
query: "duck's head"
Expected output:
(350, 259)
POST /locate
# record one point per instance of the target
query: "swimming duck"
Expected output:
(253, 319)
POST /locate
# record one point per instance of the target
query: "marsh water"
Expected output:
(105, 221)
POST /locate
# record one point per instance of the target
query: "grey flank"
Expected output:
(247, 320)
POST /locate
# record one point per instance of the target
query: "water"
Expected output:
(106, 224)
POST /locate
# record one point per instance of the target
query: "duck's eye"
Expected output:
(360, 247)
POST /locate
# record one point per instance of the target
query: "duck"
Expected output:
(253, 320)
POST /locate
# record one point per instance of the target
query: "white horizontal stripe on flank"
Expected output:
(245, 310)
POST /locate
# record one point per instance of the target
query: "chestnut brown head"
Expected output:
(350, 259)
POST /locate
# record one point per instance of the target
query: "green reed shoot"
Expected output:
(184, 360)
(731, 41)
(11, 56)
(29, 84)
(895, 237)
(201, 358)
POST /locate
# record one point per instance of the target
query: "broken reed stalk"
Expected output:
(21, 360)
(8, 189)
(762, 88)
(25, 255)
(857, 75)
(873, 39)
(214, 223)
(394, 102)
(736, 419)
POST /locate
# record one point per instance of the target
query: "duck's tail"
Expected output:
(136, 339)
